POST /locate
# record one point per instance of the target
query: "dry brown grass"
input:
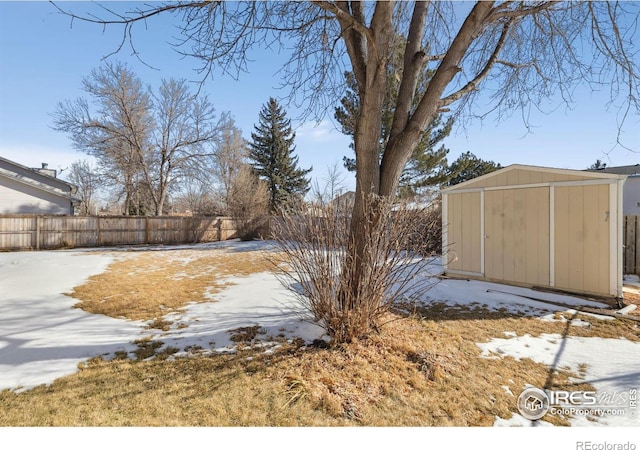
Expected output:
(149, 285)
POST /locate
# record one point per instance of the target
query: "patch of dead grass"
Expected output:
(246, 334)
(148, 285)
(223, 390)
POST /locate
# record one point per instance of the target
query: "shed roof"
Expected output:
(519, 174)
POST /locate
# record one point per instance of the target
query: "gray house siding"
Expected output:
(19, 198)
(33, 191)
(631, 202)
(631, 191)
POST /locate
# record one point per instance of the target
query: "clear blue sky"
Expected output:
(43, 60)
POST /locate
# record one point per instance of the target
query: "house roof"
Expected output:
(621, 170)
(38, 180)
(551, 170)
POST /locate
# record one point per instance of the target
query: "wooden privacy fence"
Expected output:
(22, 232)
(632, 245)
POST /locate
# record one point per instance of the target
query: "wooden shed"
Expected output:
(537, 227)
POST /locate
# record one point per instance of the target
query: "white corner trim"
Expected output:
(482, 232)
(613, 239)
(552, 236)
(620, 241)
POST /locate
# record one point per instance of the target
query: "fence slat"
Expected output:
(631, 245)
(22, 232)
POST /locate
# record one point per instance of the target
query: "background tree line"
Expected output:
(169, 145)
(154, 149)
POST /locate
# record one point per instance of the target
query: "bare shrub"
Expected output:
(248, 203)
(426, 229)
(320, 267)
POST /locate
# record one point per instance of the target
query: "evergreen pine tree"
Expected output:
(271, 154)
(468, 166)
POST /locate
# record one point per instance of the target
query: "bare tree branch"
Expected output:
(473, 84)
(414, 59)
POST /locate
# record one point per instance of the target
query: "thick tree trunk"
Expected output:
(367, 136)
(367, 189)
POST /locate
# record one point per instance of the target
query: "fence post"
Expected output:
(38, 232)
(147, 230)
(99, 234)
(185, 230)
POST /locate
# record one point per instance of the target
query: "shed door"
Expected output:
(517, 235)
(464, 232)
(582, 236)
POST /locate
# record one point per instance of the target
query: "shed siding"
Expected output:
(517, 235)
(463, 232)
(582, 238)
(18, 198)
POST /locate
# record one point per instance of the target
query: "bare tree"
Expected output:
(333, 184)
(248, 202)
(88, 181)
(239, 192)
(143, 142)
(196, 195)
(117, 133)
(209, 182)
(227, 162)
(511, 54)
(186, 124)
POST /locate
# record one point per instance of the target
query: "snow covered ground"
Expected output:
(42, 337)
